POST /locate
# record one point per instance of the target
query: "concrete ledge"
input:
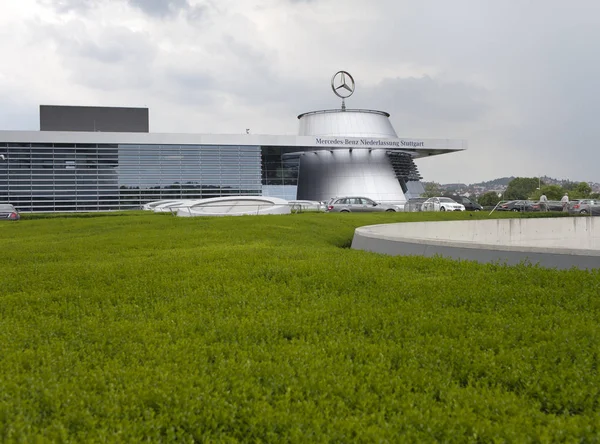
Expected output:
(554, 242)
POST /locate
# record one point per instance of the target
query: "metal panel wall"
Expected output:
(94, 177)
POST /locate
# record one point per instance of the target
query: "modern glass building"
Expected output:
(107, 176)
(49, 171)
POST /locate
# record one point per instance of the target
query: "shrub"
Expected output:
(149, 328)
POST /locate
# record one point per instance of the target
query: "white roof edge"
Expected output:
(407, 143)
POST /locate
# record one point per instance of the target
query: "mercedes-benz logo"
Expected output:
(342, 84)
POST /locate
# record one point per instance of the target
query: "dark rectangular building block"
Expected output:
(94, 118)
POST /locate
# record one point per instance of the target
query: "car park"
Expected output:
(358, 204)
(413, 204)
(585, 206)
(518, 206)
(468, 203)
(9, 212)
(554, 205)
(441, 204)
(301, 206)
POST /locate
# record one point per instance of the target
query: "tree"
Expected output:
(552, 192)
(582, 190)
(489, 199)
(569, 186)
(521, 188)
(577, 190)
(432, 189)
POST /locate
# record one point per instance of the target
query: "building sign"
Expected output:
(370, 142)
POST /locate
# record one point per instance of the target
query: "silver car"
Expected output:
(8, 212)
(356, 205)
(585, 206)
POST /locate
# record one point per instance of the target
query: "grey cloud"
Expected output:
(247, 85)
(117, 58)
(189, 86)
(426, 101)
(153, 8)
(256, 79)
(114, 45)
(197, 12)
(160, 8)
(18, 114)
(64, 6)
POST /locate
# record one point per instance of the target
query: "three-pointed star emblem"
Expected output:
(342, 84)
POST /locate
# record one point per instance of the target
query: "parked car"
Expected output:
(414, 204)
(357, 205)
(302, 206)
(441, 204)
(468, 203)
(9, 212)
(555, 205)
(571, 207)
(518, 205)
(585, 206)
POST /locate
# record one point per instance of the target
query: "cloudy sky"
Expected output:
(519, 79)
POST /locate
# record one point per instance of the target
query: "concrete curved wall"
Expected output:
(349, 123)
(356, 172)
(554, 242)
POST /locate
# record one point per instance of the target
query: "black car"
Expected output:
(518, 205)
(555, 205)
(468, 203)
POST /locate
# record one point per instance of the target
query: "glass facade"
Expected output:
(96, 177)
(279, 174)
(54, 177)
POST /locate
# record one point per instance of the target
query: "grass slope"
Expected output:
(149, 327)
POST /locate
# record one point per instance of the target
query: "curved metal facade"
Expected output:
(380, 174)
(362, 172)
(349, 123)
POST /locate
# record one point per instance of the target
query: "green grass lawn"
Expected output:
(146, 327)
